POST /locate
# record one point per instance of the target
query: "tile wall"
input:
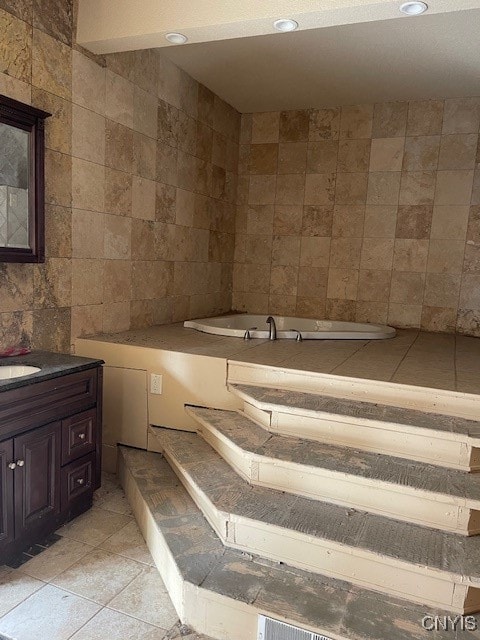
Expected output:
(141, 169)
(367, 213)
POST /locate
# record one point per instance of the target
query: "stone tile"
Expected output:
(87, 281)
(453, 187)
(144, 156)
(461, 115)
(441, 319)
(58, 223)
(417, 187)
(373, 285)
(99, 576)
(356, 122)
(348, 221)
(117, 626)
(312, 283)
(287, 220)
(118, 192)
(386, 154)
(407, 287)
(353, 156)
(425, 118)
(115, 317)
(414, 221)
(450, 222)
(88, 185)
(292, 157)
(404, 315)
(470, 292)
(53, 283)
(380, 221)
(421, 153)
(322, 156)
(16, 89)
(145, 69)
(58, 128)
(128, 542)
(260, 219)
(472, 258)
(383, 188)
(58, 179)
(265, 127)
(119, 99)
(345, 253)
(377, 253)
(371, 311)
(317, 220)
(143, 198)
(324, 124)
(16, 287)
(410, 255)
(389, 119)
(315, 252)
(15, 587)
(351, 188)
(143, 240)
(16, 47)
(286, 250)
(56, 19)
(146, 598)
(117, 238)
(52, 561)
(51, 65)
(342, 284)
(22, 9)
(283, 280)
(66, 614)
(51, 330)
(458, 152)
(293, 126)
(118, 147)
(292, 189)
(88, 135)
(263, 158)
(117, 282)
(86, 320)
(340, 310)
(262, 189)
(442, 290)
(446, 256)
(88, 83)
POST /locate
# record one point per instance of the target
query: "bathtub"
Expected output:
(236, 325)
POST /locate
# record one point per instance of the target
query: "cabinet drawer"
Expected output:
(77, 479)
(78, 435)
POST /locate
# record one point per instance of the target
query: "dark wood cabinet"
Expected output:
(50, 437)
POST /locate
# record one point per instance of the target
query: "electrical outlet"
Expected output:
(156, 383)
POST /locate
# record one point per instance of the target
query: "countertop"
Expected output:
(52, 365)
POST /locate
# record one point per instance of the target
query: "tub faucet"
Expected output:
(272, 334)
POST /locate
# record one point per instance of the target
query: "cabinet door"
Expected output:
(37, 478)
(6, 492)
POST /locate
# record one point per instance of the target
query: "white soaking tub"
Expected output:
(237, 325)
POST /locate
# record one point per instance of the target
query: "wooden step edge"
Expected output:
(400, 502)
(361, 567)
(209, 611)
(454, 403)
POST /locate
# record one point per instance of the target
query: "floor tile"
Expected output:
(48, 614)
(55, 559)
(99, 575)
(94, 526)
(112, 625)
(115, 501)
(14, 588)
(129, 542)
(146, 598)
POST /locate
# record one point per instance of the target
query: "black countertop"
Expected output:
(52, 365)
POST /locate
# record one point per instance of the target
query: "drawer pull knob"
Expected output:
(80, 481)
(12, 466)
(20, 463)
(81, 436)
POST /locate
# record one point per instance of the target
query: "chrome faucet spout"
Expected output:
(272, 334)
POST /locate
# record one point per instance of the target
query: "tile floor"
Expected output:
(98, 582)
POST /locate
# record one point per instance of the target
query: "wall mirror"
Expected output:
(22, 190)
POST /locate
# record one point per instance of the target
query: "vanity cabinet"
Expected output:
(50, 439)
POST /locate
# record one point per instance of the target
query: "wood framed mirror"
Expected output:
(22, 184)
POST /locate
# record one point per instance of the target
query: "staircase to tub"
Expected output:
(334, 508)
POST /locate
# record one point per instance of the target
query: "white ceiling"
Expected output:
(410, 58)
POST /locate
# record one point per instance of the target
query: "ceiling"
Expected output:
(411, 58)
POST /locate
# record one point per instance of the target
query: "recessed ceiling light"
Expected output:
(176, 38)
(285, 25)
(413, 8)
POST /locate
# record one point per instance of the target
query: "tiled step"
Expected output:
(411, 491)
(406, 433)
(422, 398)
(420, 564)
(221, 592)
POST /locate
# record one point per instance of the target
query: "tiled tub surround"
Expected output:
(367, 213)
(141, 165)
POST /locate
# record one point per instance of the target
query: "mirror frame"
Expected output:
(32, 120)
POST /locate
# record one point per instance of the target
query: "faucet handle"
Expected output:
(299, 335)
(246, 335)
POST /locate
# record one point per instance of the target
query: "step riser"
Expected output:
(375, 437)
(430, 510)
(397, 395)
(359, 567)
